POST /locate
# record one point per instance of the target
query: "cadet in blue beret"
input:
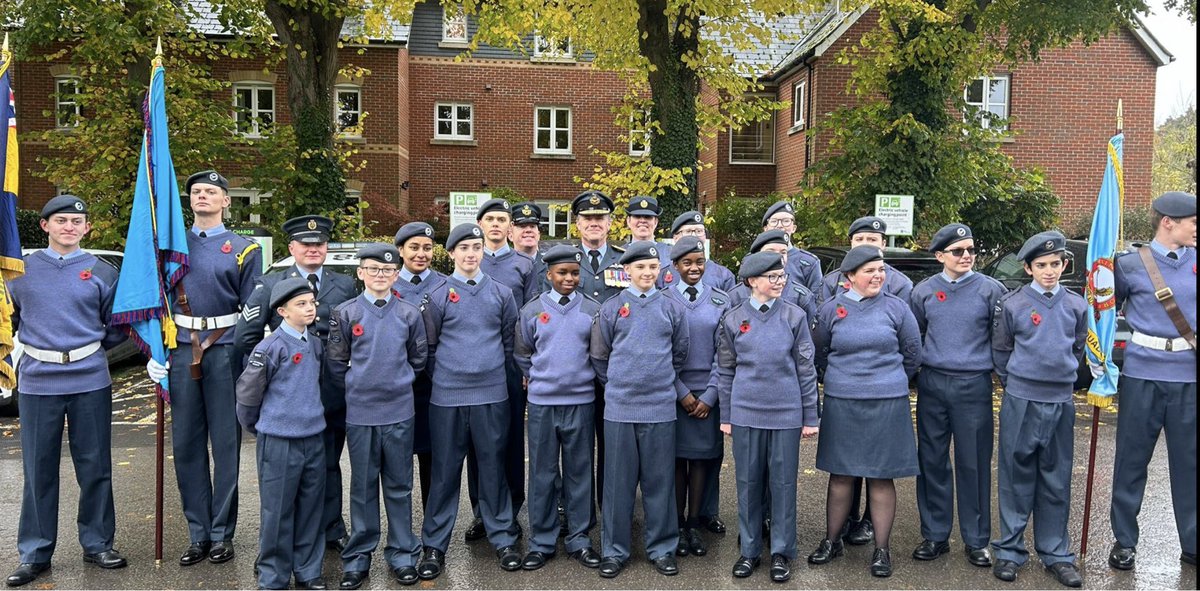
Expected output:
(1038, 336)
(308, 238)
(1158, 381)
(414, 283)
(802, 266)
(641, 217)
(203, 369)
(954, 312)
(279, 401)
(639, 347)
(691, 223)
(553, 340)
(470, 321)
(698, 444)
(377, 346)
(767, 405)
(869, 346)
(62, 307)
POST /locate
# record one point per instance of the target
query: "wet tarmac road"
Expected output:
(474, 565)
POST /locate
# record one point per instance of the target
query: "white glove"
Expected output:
(157, 371)
(1096, 368)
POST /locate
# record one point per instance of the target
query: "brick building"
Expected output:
(427, 123)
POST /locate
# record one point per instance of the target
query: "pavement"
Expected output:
(474, 565)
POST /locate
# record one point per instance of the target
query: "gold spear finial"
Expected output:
(1120, 115)
(157, 62)
(5, 48)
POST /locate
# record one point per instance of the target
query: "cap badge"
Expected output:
(653, 252)
(503, 205)
(698, 218)
(594, 200)
(429, 231)
(475, 231)
(787, 207)
(961, 231)
(644, 203)
(578, 257)
(312, 224)
(387, 256)
(1049, 245)
(526, 210)
(875, 225)
(78, 206)
(212, 176)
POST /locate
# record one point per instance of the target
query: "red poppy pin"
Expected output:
(357, 329)
(544, 318)
(668, 277)
(85, 274)
(453, 296)
(745, 327)
(941, 296)
(841, 312)
(227, 247)
(1193, 269)
(297, 357)
(1037, 318)
(846, 285)
(624, 311)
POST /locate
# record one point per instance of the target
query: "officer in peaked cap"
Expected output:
(802, 266)
(526, 235)
(641, 217)
(308, 238)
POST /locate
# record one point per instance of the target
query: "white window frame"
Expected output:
(241, 199)
(549, 48)
(454, 120)
(452, 21)
(799, 95)
(558, 215)
(553, 129)
(759, 125)
(351, 131)
(60, 102)
(254, 111)
(639, 134)
(982, 114)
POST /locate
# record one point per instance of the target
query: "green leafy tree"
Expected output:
(1174, 165)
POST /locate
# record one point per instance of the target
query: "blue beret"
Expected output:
(562, 253)
(63, 204)
(289, 288)
(769, 237)
(868, 224)
(687, 218)
(859, 256)
(208, 177)
(643, 205)
(309, 229)
(640, 250)
(784, 206)
(378, 251)
(1042, 244)
(685, 246)
(1175, 204)
(413, 230)
(492, 205)
(759, 264)
(526, 213)
(462, 232)
(591, 202)
(947, 235)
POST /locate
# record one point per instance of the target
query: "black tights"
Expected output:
(858, 489)
(689, 489)
(882, 496)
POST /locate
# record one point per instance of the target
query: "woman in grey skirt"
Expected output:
(868, 346)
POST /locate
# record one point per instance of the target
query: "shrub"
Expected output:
(29, 228)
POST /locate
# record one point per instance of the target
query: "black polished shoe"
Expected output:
(781, 569)
(431, 565)
(695, 542)
(535, 560)
(744, 567)
(611, 567)
(352, 579)
(1188, 558)
(336, 544)
(714, 524)
(406, 575)
(979, 556)
(315, 584)
(666, 565)
(587, 557)
(1066, 574)
(1122, 558)
(1005, 570)
(681, 547)
(510, 559)
(26, 573)
(476, 531)
(861, 533)
(107, 559)
(881, 563)
(221, 552)
(195, 553)
(930, 550)
(826, 551)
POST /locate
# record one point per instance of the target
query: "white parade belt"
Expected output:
(205, 322)
(1159, 343)
(62, 357)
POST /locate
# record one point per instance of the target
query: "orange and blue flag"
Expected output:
(1101, 285)
(11, 263)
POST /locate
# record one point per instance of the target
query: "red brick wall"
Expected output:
(790, 145)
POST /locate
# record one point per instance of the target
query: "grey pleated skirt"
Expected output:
(870, 438)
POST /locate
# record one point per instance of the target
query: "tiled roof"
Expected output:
(204, 20)
(787, 33)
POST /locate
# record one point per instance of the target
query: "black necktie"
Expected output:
(204, 235)
(471, 282)
(1048, 294)
(763, 308)
(313, 281)
(643, 296)
(691, 291)
(1173, 256)
(564, 301)
(303, 339)
(380, 303)
(416, 280)
(595, 254)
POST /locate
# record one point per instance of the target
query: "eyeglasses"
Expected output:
(959, 252)
(780, 222)
(698, 232)
(776, 278)
(379, 271)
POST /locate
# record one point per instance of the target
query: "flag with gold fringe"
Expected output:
(1101, 287)
(11, 263)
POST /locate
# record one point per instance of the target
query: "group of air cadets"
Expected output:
(619, 367)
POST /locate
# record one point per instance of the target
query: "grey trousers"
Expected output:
(381, 454)
(291, 483)
(639, 453)
(766, 459)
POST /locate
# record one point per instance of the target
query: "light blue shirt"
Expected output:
(1040, 289)
(496, 253)
(949, 280)
(637, 292)
(559, 296)
(757, 304)
(319, 272)
(291, 332)
(213, 231)
(372, 299)
(459, 276)
(682, 287)
(58, 255)
(603, 250)
(1163, 250)
(854, 295)
(407, 275)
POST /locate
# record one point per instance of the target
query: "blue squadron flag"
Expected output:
(11, 263)
(1101, 286)
(156, 252)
